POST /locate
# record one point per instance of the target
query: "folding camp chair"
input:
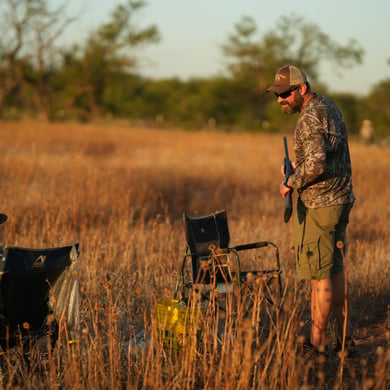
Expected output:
(216, 264)
(38, 294)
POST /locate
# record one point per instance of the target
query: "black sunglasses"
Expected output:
(285, 95)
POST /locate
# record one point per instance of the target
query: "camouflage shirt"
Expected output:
(323, 175)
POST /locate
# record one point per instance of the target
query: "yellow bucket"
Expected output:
(175, 323)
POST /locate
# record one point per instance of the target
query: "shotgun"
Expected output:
(288, 170)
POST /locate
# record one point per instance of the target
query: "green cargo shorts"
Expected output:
(316, 234)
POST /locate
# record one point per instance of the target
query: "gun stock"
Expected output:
(288, 206)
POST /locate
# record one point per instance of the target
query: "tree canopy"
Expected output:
(100, 75)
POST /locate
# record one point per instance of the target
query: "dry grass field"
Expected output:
(121, 192)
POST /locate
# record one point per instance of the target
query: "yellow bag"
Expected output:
(175, 323)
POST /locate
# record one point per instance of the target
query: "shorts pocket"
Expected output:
(312, 253)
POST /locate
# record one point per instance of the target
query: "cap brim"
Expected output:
(278, 88)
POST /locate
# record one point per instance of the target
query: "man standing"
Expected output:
(322, 179)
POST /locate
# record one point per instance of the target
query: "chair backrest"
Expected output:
(34, 283)
(203, 231)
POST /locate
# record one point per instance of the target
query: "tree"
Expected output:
(243, 55)
(292, 41)
(29, 30)
(253, 61)
(109, 50)
(37, 75)
(376, 108)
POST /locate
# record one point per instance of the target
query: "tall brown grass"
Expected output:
(121, 193)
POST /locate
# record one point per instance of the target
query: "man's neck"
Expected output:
(306, 98)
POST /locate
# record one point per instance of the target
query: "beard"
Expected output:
(294, 106)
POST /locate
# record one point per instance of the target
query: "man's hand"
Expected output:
(283, 168)
(284, 190)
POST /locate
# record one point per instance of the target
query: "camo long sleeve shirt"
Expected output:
(323, 174)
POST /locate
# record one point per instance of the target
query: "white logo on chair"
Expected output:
(39, 262)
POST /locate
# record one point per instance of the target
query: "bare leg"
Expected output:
(321, 304)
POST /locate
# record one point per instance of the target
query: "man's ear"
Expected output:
(302, 89)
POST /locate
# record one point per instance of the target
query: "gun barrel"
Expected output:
(288, 167)
(288, 206)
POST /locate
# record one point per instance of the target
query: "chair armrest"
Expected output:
(253, 245)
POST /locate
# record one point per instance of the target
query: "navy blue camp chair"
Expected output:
(215, 263)
(38, 291)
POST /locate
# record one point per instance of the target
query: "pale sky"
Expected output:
(192, 32)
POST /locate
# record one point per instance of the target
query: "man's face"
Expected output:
(291, 102)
